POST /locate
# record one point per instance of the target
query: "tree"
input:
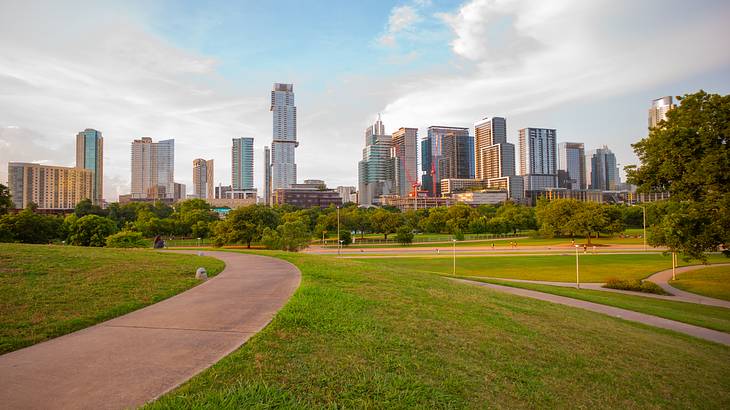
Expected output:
(29, 227)
(518, 217)
(245, 225)
(385, 222)
(290, 236)
(6, 203)
(85, 207)
(688, 156)
(126, 239)
(404, 235)
(91, 230)
(345, 238)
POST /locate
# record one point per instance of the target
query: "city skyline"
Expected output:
(596, 91)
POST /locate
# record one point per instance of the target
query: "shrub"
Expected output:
(346, 238)
(404, 235)
(635, 285)
(459, 235)
(126, 239)
(91, 230)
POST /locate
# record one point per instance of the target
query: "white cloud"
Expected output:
(401, 19)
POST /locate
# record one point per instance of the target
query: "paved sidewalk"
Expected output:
(662, 279)
(128, 361)
(696, 331)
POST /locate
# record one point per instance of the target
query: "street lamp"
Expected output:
(198, 241)
(674, 265)
(338, 231)
(339, 248)
(454, 253)
(577, 271)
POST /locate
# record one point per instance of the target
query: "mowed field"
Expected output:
(558, 268)
(47, 291)
(713, 282)
(361, 333)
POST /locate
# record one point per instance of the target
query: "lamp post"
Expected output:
(674, 265)
(339, 248)
(453, 241)
(198, 242)
(339, 240)
(643, 208)
(577, 271)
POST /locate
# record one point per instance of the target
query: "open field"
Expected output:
(47, 291)
(711, 317)
(358, 334)
(559, 268)
(713, 282)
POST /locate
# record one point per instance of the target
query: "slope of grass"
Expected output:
(47, 291)
(711, 317)
(713, 282)
(558, 268)
(362, 335)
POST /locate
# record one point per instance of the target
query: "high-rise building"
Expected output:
(242, 163)
(446, 153)
(180, 192)
(347, 193)
(488, 133)
(267, 176)
(404, 155)
(538, 158)
(203, 177)
(153, 169)
(659, 109)
(284, 117)
(571, 165)
(375, 170)
(90, 155)
(49, 187)
(604, 171)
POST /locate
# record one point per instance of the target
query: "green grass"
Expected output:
(711, 317)
(358, 335)
(47, 291)
(558, 268)
(713, 282)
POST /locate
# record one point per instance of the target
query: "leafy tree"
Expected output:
(6, 203)
(91, 230)
(404, 235)
(436, 222)
(245, 225)
(554, 217)
(345, 237)
(290, 236)
(518, 217)
(29, 227)
(126, 239)
(85, 207)
(385, 222)
(688, 156)
(459, 216)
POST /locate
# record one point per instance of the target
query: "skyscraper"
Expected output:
(153, 169)
(203, 176)
(659, 109)
(90, 155)
(571, 165)
(267, 176)
(538, 158)
(284, 117)
(49, 187)
(375, 171)
(604, 172)
(446, 153)
(488, 133)
(404, 158)
(242, 163)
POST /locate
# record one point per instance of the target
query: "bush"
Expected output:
(126, 239)
(91, 230)
(635, 285)
(404, 235)
(459, 235)
(346, 238)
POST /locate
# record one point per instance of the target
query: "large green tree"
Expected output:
(245, 225)
(385, 222)
(91, 230)
(688, 156)
(6, 203)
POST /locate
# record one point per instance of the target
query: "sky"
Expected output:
(201, 72)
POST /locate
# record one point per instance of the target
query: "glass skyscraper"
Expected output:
(604, 172)
(538, 158)
(446, 153)
(375, 171)
(571, 165)
(284, 122)
(153, 169)
(242, 163)
(90, 155)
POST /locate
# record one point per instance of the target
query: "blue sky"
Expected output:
(201, 72)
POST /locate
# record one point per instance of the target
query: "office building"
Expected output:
(451, 186)
(493, 155)
(306, 196)
(538, 158)
(485, 197)
(571, 165)
(180, 193)
(203, 178)
(375, 170)
(242, 163)
(267, 176)
(347, 193)
(90, 155)
(284, 117)
(659, 109)
(49, 187)
(604, 171)
(153, 169)
(446, 153)
(404, 157)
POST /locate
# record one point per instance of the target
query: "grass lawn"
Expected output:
(360, 335)
(558, 268)
(711, 317)
(47, 291)
(713, 282)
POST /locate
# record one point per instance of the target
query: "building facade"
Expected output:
(242, 163)
(538, 158)
(90, 155)
(571, 165)
(284, 121)
(659, 109)
(347, 193)
(488, 133)
(203, 178)
(306, 197)
(375, 170)
(486, 197)
(153, 169)
(180, 192)
(49, 187)
(446, 153)
(404, 156)
(267, 176)
(604, 171)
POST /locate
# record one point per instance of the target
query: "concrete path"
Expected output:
(133, 359)
(696, 331)
(662, 279)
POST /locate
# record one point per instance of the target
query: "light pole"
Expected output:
(674, 265)
(339, 248)
(577, 271)
(198, 242)
(339, 240)
(454, 253)
(643, 208)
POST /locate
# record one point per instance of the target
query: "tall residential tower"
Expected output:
(153, 169)
(242, 163)
(538, 158)
(659, 109)
(571, 165)
(284, 118)
(375, 171)
(446, 153)
(90, 155)
(267, 176)
(203, 178)
(404, 155)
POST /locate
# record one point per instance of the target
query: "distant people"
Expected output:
(158, 242)
(572, 242)
(492, 245)
(594, 248)
(585, 248)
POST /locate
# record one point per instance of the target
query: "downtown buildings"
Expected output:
(90, 155)
(203, 173)
(571, 165)
(446, 153)
(538, 159)
(153, 170)
(284, 122)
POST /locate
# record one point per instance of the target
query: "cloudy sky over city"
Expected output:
(201, 73)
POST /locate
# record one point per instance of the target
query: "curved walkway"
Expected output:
(662, 279)
(696, 331)
(133, 359)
